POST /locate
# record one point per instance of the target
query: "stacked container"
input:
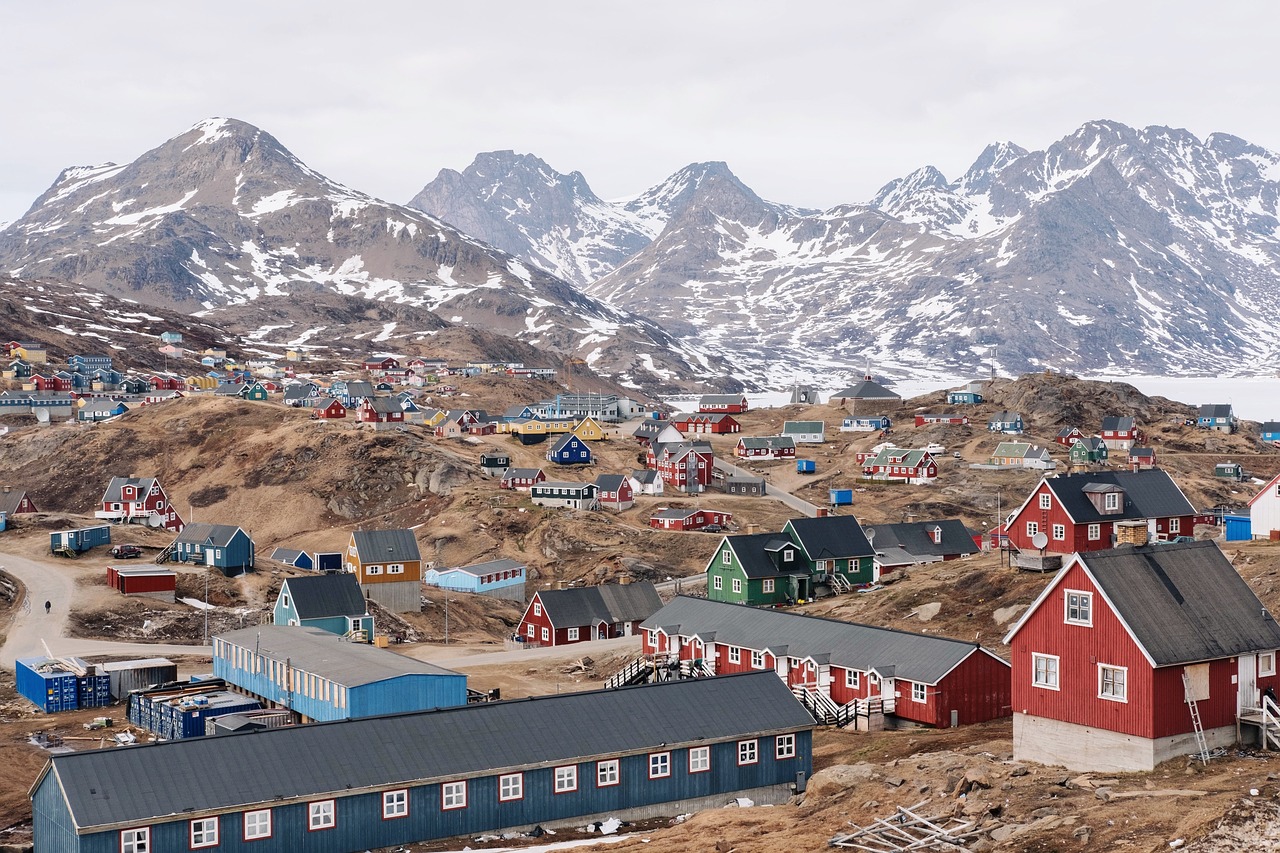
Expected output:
(48, 684)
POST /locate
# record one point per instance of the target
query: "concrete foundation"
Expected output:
(1083, 748)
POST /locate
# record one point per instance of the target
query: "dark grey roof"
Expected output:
(386, 546)
(1215, 410)
(1141, 452)
(297, 392)
(1147, 494)
(563, 441)
(359, 388)
(610, 603)
(831, 537)
(112, 493)
(1115, 423)
(319, 596)
(521, 473)
(648, 428)
(134, 785)
(610, 482)
(384, 405)
(718, 399)
(9, 500)
(803, 427)
(648, 475)
(755, 554)
(100, 405)
(678, 512)
(287, 555)
(767, 442)
(1004, 418)
(867, 389)
(1271, 426)
(916, 538)
(1183, 602)
(500, 565)
(217, 535)
(322, 653)
(915, 657)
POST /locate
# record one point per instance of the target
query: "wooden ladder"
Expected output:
(1201, 744)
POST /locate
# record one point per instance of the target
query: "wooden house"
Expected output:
(138, 500)
(1142, 458)
(14, 501)
(700, 423)
(615, 492)
(502, 578)
(1020, 454)
(380, 413)
(1009, 423)
(963, 397)
(1218, 417)
(589, 429)
(873, 423)
(1271, 432)
(92, 411)
(1125, 648)
(1079, 512)
(494, 464)
(564, 495)
(686, 466)
(225, 547)
(521, 479)
(146, 581)
(901, 465)
(690, 518)
(805, 432)
(646, 482)
(948, 418)
(650, 432)
(1229, 471)
(766, 447)
(738, 485)
(1120, 433)
(1264, 511)
(293, 557)
(568, 449)
(330, 410)
(1090, 450)
(838, 668)
(379, 364)
(1068, 436)
(557, 617)
(867, 389)
(911, 543)
(388, 565)
(330, 602)
(733, 404)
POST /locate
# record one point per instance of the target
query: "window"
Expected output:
(546, 635)
(1079, 608)
(1112, 683)
(1267, 663)
(757, 660)
(699, 759)
(572, 634)
(737, 585)
(784, 746)
(726, 557)
(1046, 501)
(735, 654)
(606, 773)
(748, 752)
(453, 795)
(510, 787)
(788, 555)
(852, 679)
(659, 765)
(1095, 532)
(1111, 500)
(397, 569)
(395, 804)
(373, 570)
(257, 824)
(1059, 532)
(717, 582)
(919, 692)
(767, 585)
(1044, 671)
(136, 840)
(824, 565)
(321, 815)
(566, 779)
(537, 608)
(204, 832)
(531, 631)
(1175, 525)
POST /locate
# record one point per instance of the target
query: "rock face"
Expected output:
(224, 214)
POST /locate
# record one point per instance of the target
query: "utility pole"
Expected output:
(206, 606)
(446, 617)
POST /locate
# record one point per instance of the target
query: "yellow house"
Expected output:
(431, 417)
(201, 383)
(528, 426)
(31, 354)
(292, 355)
(588, 429)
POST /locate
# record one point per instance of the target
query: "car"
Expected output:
(713, 528)
(125, 551)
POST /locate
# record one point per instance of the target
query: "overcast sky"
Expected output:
(811, 104)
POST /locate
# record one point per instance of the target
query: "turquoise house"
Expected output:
(330, 602)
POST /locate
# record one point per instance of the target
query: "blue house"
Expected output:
(1271, 432)
(1217, 417)
(100, 410)
(496, 578)
(89, 363)
(568, 449)
(392, 781)
(290, 557)
(224, 546)
(870, 424)
(171, 337)
(332, 603)
(317, 675)
(961, 398)
(1009, 423)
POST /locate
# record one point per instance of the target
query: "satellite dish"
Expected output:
(870, 533)
(1040, 540)
(155, 521)
(42, 415)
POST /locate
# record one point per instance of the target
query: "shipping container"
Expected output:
(806, 466)
(152, 582)
(1239, 528)
(130, 675)
(46, 683)
(186, 717)
(328, 562)
(79, 540)
(841, 497)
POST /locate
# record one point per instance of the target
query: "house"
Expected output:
(805, 395)
(767, 569)
(329, 602)
(1271, 432)
(1142, 458)
(686, 466)
(738, 485)
(31, 352)
(867, 389)
(388, 565)
(614, 492)
(564, 758)
(689, 518)
(1020, 454)
(291, 557)
(734, 404)
(354, 392)
(138, 500)
(948, 418)
(14, 501)
(651, 431)
(146, 581)
(1124, 648)
(171, 337)
(646, 482)
(867, 424)
(963, 397)
(257, 391)
(1229, 471)
(805, 432)
(917, 678)
(521, 479)
(900, 465)
(88, 363)
(766, 447)
(1090, 450)
(502, 578)
(568, 449)
(1216, 417)
(565, 495)
(1264, 511)
(701, 423)
(589, 429)
(380, 412)
(379, 364)
(224, 546)
(557, 617)
(1009, 423)
(92, 411)
(1068, 436)
(332, 410)
(914, 542)
(1079, 512)
(494, 464)
(1120, 433)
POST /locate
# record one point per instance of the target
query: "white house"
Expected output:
(805, 432)
(1264, 510)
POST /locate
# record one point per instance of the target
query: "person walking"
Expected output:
(48, 605)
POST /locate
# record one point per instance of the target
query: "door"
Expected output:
(1247, 684)
(887, 693)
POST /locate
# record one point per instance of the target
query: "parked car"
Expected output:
(713, 528)
(123, 551)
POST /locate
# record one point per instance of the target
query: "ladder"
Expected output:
(1202, 746)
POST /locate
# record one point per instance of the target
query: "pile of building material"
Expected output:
(183, 710)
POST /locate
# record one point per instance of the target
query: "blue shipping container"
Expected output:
(841, 497)
(806, 466)
(46, 685)
(1239, 528)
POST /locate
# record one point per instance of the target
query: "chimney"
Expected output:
(753, 529)
(1131, 533)
(624, 580)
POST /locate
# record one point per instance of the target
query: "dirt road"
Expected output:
(771, 490)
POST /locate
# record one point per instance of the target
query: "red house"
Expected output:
(689, 518)
(149, 581)
(702, 423)
(381, 412)
(1112, 658)
(614, 492)
(167, 383)
(953, 420)
(1120, 433)
(733, 404)
(1142, 458)
(923, 678)
(556, 617)
(686, 466)
(139, 500)
(1068, 436)
(380, 364)
(1079, 512)
(14, 501)
(57, 382)
(331, 410)
(766, 447)
(521, 479)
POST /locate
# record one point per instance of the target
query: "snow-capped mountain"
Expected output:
(224, 214)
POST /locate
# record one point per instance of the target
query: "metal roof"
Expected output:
(1184, 603)
(501, 565)
(141, 783)
(383, 405)
(217, 535)
(9, 500)
(1004, 418)
(830, 537)
(925, 658)
(287, 555)
(866, 390)
(1115, 423)
(803, 426)
(755, 553)
(322, 653)
(386, 546)
(586, 605)
(610, 482)
(359, 388)
(710, 399)
(1147, 494)
(916, 539)
(112, 493)
(1215, 410)
(319, 596)
(767, 442)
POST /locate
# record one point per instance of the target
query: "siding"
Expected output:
(979, 688)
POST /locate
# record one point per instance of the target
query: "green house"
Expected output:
(256, 391)
(1087, 451)
(764, 569)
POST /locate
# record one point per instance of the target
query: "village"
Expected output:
(594, 606)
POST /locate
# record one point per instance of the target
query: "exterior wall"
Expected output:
(1264, 511)
(979, 689)
(51, 822)
(403, 596)
(539, 622)
(1078, 747)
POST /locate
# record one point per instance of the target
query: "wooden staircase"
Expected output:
(637, 671)
(163, 556)
(824, 710)
(1270, 723)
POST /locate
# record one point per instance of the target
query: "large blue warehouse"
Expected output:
(657, 749)
(323, 677)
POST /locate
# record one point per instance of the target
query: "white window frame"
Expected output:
(735, 654)
(537, 608)
(1266, 663)
(788, 555)
(1033, 527)
(757, 659)
(546, 635)
(852, 679)
(257, 824)
(1059, 532)
(453, 795)
(206, 828)
(608, 773)
(322, 814)
(1046, 501)
(566, 779)
(919, 692)
(1114, 694)
(1175, 525)
(737, 585)
(1111, 500)
(748, 752)
(1095, 532)
(767, 585)
(395, 804)
(659, 765)
(726, 557)
(784, 746)
(699, 759)
(571, 634)
(510, 787)
(135, 840)
(717, 582)
(1048, 676)
(1082, 598)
